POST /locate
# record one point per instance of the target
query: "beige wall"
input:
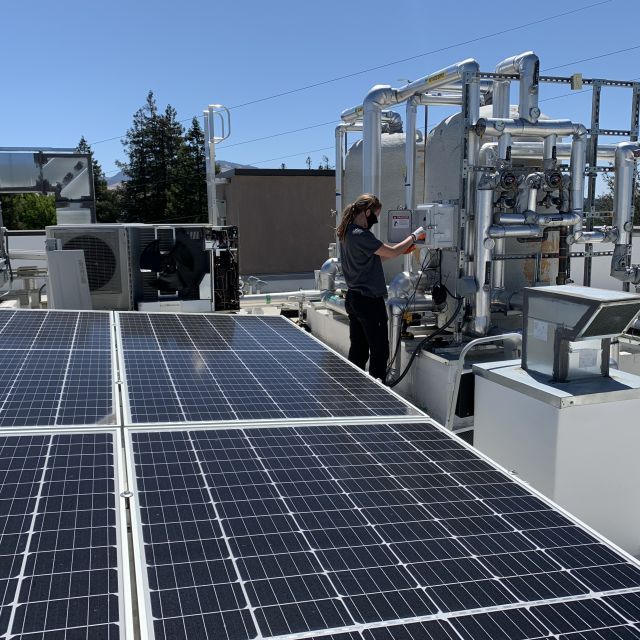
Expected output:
(284, 218)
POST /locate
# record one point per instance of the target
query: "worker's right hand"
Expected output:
(419, 234)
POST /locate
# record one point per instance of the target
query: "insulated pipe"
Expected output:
(396, 308)
(527, 66)
(334, 302)
(482, 256)
(520, 127)
(549, 153)
(264, 299)
(534, 150)
(410, 152)
(510, 218)
(578, 164)
(515, 231)
(341, 130)
(445, 77)
(627, 154)
(378, 97)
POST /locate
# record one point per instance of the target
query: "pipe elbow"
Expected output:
(579, 131)
(380, 95)
(468, 66)
(627, 151)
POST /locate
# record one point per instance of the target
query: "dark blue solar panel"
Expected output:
(55, 368)
(58, 546)
(290, 530)
(204, 368)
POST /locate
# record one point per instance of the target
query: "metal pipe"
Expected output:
(341, 130)
(410, 152)
(520, 127)
(577, 165)
(259, 299)
(482, 256)
(526, 150)
(510, 218)
(328, 273)
(549, 151)
(378, 97)
(515, 231)
(334, 302)
(627, 154)
(527, 66)
(442, 78)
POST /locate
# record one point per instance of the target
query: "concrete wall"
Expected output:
(283, 216)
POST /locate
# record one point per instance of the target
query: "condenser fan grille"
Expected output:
(100, 259)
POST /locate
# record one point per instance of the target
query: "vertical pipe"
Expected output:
(501, 109)
(210, 178)
(410, 153)
(577, 166)
(482, 258)
(339, 175)
(409, 163)
(471, 87)
(549, 151)
(213, 204)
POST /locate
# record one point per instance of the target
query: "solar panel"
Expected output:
(211, 368)
(55, 368)
(63, 572)
(372, 531)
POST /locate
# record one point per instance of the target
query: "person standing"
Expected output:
(361, 256)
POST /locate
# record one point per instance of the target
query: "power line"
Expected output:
(603, 55)
(395, 62)
(276, 135)
(420, 55)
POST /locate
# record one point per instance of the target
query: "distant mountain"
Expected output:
(113, 182)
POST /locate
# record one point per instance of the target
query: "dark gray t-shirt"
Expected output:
(361, 267)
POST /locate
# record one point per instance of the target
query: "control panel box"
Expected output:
(437, 220)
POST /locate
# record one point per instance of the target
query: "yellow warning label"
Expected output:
(436, 77)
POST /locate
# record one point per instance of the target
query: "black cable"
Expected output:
(426, 340)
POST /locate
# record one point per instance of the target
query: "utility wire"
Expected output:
(395, 62)
(603, 55)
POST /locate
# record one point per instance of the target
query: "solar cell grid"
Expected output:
(311, 540)
(59, 558)
(204, 368)
(55, 368)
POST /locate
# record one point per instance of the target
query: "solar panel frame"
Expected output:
(144, 600)
(319, 347)
(113, 419)
(126, 624)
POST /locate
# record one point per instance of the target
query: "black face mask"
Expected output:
(372, 219)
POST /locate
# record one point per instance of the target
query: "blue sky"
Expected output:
(83, 68)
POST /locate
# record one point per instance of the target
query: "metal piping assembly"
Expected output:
(627, 154)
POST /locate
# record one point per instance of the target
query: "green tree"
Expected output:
(28, 211)
(153, 145)
(187, 194)
(108, 208)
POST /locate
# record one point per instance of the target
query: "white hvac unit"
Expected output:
(106, 254)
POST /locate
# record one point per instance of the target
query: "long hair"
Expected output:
(365, 202)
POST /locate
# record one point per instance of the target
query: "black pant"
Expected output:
(368, 333)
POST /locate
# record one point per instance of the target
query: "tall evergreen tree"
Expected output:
(187, 197)
(152, 145)
(107, 201)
